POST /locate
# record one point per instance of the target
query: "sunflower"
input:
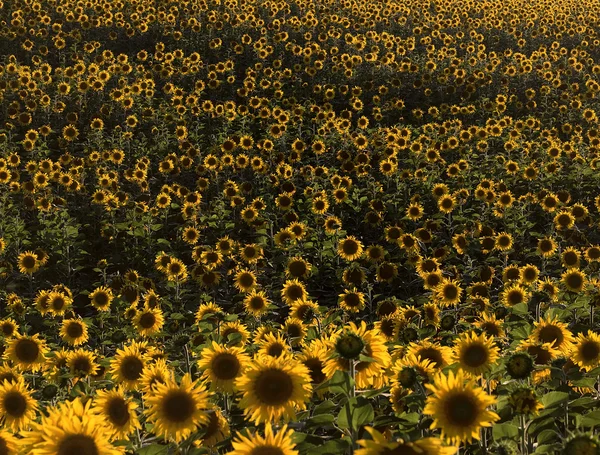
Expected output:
(439, 355)
(586, 351)
(379, 445)
(411, 368)
(118, 411)
(8, 327)
(271, 444)
(101, 298)
(8, 443)
(551, 330)
(74, 331)
(582, 443)
(292, 291)
(564, 220)
(28, 353)
(415, 211)
(304, 310)
(475, 353)
(529, 274)
(149, 321)
(155, 373)
(245, 280)
(524, 401)
(256, 303)
(352, 342)
(490, 325)
(82, 363)
(514, 295)
(222, 365)
(546, 247)
(238, 330)
(458, 408)
(127, 366)
(215, 430)
(350, 248)
(570, 257)
(17, 406)
(297, 267)
(28, 262)
(351, 301)
(313, 356)
(177, 410)
(574, 280)
(274, 345)
(70, 428)
(448, 292)
(274, 388)
(208, 311)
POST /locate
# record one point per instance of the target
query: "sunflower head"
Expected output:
(519, 365)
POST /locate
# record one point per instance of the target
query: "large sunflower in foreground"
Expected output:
(458, 407)
(271, 444)
(222, 365)
(8, 443)
(176, 410)
(70, 428)
(379, 445)
(273, 388)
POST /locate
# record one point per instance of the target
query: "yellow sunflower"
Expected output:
(28, 262)
(118, 411)
(177, 410)
(272, 444)
(586, 351)
(379, 445)
(149, 321)
(17, 406)
(458, 407)
(28, 353)
(222, 365)
(475, 353)
(350, 248)
(127, 366)
(101, 298)
(274, 388)
(551, 330)
(74, 331)
(215, 430)
(8, 443)
(439, 355)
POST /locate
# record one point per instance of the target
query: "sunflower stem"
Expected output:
(523, 435)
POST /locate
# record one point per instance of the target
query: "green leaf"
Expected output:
(553, 399)
(505, 430)
(355, 413)
(591, 419)
(341, 382)
(333, 447)
(324, 407)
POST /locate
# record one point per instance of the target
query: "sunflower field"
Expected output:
(272, 227)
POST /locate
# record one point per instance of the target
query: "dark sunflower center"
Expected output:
(78, 444)
(297, 268)
(574, 281)
(15, 404)
(350, 247)
(551, 334)
(349, 346)
(352, 300)
(386, 271)
(246, 280)
(212, 426)
(490, 328)
(101, 299)
(147, 320)
(315, 369)
(58, 303)
(74, 330)
(294, 292)
(275, 350)
(541, 355)
(461, 409)
(450, 292)
(432, 354)
(118, 412)
(225, 366)
(82, 365)
(475, 355)
(515, 297)
(178, 406)
(266, 450)
(273, 387)
(387, 327)
(27, 350)
(257, 303)
(590, 350)
(294, 330)
(28, 262)
(7, 329)
(131, 368)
